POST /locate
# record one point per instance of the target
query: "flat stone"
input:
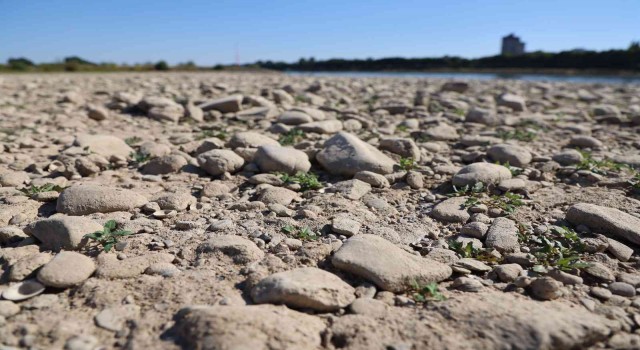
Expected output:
(110, 267)
(404, 147)
(23, 290)
(247, 327)
(104, 145)
(62, 232)
(26, 266)
(304, 288)
(515, 102)
(88, 199)
(227, 104)
(343, 225)
(164, 165)
(512, 154)
(503, 236)
(239, 249)
(273, 158)
(331, 126)
(373, 179)
(369, 307)
(600, 272)
(345, 154)
(67, 269)
(219, 161)
(451, 210)
(487, 173)
(385, 264)
(608, 221)
(251, 139)
(351, 189)
(277, 195)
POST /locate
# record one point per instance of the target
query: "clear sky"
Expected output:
(208, 32)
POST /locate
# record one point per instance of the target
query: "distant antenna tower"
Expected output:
(237, 56)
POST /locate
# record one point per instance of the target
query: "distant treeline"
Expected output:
(611, 60)
(77, 64)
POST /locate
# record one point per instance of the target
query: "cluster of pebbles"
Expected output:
(462, 186)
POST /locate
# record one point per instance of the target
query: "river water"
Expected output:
(584, 79)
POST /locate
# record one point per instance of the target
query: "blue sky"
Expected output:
(208, 32)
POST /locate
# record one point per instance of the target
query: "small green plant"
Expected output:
(139, 157)
(515, 171)
(460, 112)
(31, 190)
(307, 181)
(478, 187)
(517, 134)
(222, 134)
(291, 137)
(562, 248)
(304, 234)
(132, 140)
(407, 164)
(601, 167)
(635, 182)
(402, 128)
(109, 235)
(469, 251)
(426, 292)
(508, 202)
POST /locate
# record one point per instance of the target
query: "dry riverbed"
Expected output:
(264, 211)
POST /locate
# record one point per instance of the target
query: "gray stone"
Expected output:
(467, 284)
(8, 308)
(164, 165)
(369, 307)
(608, 221)
(404, 147)
(583, 141)
(373, 179)
(110, 267)
(508, 272)
(351, 189)
(503, 236)
(330, 126)
(487, 173)
(294, 117)
(546, 288)
(514, 155)
(62, 232)
(304, 288)
(218, 161)
(273, 158)
(343, 225)
(451, 210)
(623, 289)
(239, 249)
(251, 139)
(247, 327)
(277, 195)
(104, 145)
(515, 102)
(346, 154)
(89, 199)
(567, 157)
(226, 104)
(26, 266)
(600, 272)
(619, 250)
(475, 229)
(386, 265)
(67, 269)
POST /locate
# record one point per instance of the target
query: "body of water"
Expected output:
(585, 79)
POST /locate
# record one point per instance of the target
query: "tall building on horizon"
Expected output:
(512, 45)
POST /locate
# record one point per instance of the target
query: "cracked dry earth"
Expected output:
(265, 211)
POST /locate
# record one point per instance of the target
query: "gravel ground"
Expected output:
(265, 211)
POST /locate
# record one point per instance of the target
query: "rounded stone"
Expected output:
(487, 173)
(66, 269)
